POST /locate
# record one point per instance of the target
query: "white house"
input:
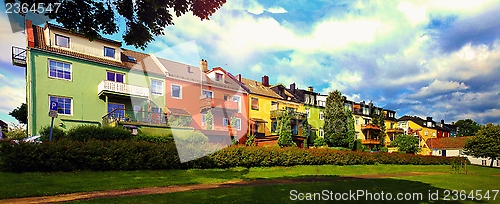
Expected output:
(453, 146)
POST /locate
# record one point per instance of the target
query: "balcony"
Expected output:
(130, 117)
(18, 56)
(122, 88)
(293, 114)
(395, 130)
(370, 142)
(370, 127)
(208, 103)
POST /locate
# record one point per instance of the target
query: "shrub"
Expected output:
(319, 142)
(250, 140)
(57, 133)
(142, 136)
(86, 132)
(16, 132)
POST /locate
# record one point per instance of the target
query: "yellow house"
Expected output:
(392, 128)
(425, 129)
(266, 105)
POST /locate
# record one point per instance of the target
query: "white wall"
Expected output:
(473, 160)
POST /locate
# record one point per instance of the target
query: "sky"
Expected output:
(437, 59)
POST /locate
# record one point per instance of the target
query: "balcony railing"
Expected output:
(18, 56)
(122, 88)
(125, 116)
(293, 114)
(370, 127)
(370, 142)
(207, 103)
(395, 130)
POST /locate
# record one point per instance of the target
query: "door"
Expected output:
(443, 153)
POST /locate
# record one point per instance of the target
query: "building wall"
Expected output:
(264, 112)
(314, 117)
(87, 107)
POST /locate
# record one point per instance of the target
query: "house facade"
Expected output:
(454, 147)
(94, 82)
(423, 129)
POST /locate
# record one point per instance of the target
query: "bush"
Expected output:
(57, 133)
(319, 142)
(16, 132)
(250, 140)
(86, 132)
(142, 136)
(180, 137)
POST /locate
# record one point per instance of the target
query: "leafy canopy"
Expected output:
(144, 19)
(467, 127)
(486, 143)
(20, 113)
(407, 143)
(335, 120)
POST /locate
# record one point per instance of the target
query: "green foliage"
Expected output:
(147, 137)
(178, 121)
(351, 131)
(86, 132)
(319, 142)
(486, 143)
(250, 140)
(285, 130)
(16, 132)
(335, 119)
(384, 149)
(209, 119)
(57, 133)
(20, 113)
(306, 132)
(358, 145)
(181, 137)
(467, 127)
(407, 143)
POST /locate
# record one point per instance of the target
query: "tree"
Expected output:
(467, 127)
(285, 130)
(209, 119)
(486, 143)
(20, 113)
(144, 19)
(378, 120)
(407, 143)
(351, 131)
(335, 118)
(306, 132)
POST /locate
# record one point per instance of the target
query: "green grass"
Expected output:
(40, 184)
(478, 178)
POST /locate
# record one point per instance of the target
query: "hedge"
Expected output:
(99, 155)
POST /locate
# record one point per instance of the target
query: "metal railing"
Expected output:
(18, 56)
(120, 115)
(122, 88)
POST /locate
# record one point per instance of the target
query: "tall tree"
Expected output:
(486, 143)
(378, 120)
(351, 131)
(285, 130)
(20, 113)
(144, 19)
(467, 127)
(335, 118)
(407, 143)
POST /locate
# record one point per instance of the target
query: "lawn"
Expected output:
(39, 184)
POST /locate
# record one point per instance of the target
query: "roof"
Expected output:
(60, 28)
(144, 62)
(178, 111)
(256, 87)
(415, 119)
(446, 142)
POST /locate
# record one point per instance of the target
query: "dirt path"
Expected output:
(181, 188)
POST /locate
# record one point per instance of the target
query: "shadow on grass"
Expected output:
(338, 189)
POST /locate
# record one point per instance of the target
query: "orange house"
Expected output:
(213, 100)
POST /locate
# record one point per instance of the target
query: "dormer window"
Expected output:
(109, 52)
(62, 41)
(218, 77)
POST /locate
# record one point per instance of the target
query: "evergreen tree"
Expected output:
(335, 119)
(285, 130)
(351, 131)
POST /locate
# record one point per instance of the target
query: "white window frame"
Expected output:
(203, 93)
(104, 52)
(172, 92)
(55, 77)
(71, 111)
(161, 87)
(115, 73)
(226, 121)
(238, 119)
(321, 115)
(308, 111)
(321, 132)
(221, 79)
(55, 40)
(238, 101)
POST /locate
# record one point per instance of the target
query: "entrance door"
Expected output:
(116, 110)
(443, 153)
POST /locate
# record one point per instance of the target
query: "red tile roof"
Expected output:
(446, 142)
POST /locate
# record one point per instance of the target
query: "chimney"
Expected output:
(429, 119)
(29, 33)
(204, 65)
(189, 69)
(452, 123)
(442, 121)
(238, 77)
(292, 87)
(310, 88)
(265, 81)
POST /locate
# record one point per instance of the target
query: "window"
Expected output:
(308, 113)
(295, 129)
(207, 94)
(226, 97)
(426, 133)
(116, 77)
(218, 77)
(434, 134)
(65, 104)
(357, 121)
(109, 52)
(62, 41)
(255, 104)
(137, 109)
(366, 111)
(60, 70)
(237, 99)
(116, 109)
(156, 87)
(321, 116)
(274, 125)
(225, 122)
(203, 120)
(321, 133)
(176, 91)
(238, 123)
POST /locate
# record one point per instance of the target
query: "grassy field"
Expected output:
(39, 184)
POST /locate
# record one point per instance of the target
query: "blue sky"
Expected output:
(439, 59)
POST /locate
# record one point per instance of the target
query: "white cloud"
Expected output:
(439, 87)
(277, 9)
